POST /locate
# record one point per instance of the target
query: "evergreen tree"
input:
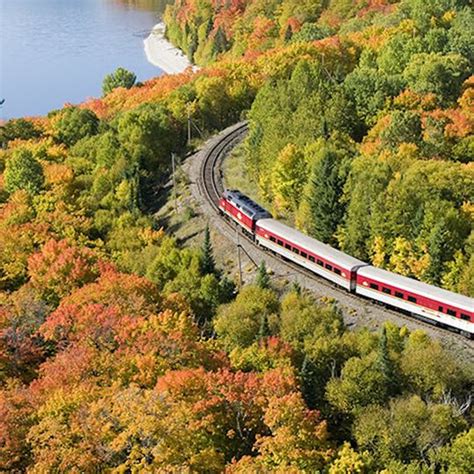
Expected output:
(208, 264)
(192, 47)
(264, 330)
(220, 41)
(385, 363)
(438, 251)
(263, 279)
(296, 287)
(120, 78)
(308, 385)
(324, 196)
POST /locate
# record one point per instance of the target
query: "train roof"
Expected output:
(310, 244)
(251, 208)
(418, 287)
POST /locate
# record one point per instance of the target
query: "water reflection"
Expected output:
(157, 6)
(58, 51)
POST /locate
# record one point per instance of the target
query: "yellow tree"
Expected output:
(289, 175)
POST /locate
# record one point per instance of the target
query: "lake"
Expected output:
(54, 52)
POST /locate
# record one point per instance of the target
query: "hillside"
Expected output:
(370, 150)
(123, 351)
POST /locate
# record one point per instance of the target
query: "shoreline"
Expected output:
(163, 54)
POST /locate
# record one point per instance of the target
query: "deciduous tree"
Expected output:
(23, 171)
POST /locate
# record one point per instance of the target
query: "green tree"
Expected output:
(220, 41)
(289, 176)
(369, 88)
(263, 278)
(397, 52)
(437, 73)
(430, 370)
(408, 430)
(74, 123)
(326, 184)
(386, 364)
(18, 128)
(458, 458)
(238, 324)
(147, 136)
(404, 127)
(461, 39)
(23, 171)
(437, 251)
(120, 78)
(208, 264)
(361, 383)
(311, 32)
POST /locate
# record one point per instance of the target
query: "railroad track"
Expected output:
(210, 182)
(211, 187)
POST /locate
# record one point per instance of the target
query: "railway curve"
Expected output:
(207, 171)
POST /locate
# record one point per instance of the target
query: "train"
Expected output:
(426, 302)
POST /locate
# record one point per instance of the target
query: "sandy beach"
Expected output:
(160, 52)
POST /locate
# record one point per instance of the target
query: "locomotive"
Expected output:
(427, 302)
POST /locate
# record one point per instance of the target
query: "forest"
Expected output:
(389, 127)
(123, 351)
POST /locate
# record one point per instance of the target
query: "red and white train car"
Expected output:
(242, 209)
(418, 298)
(320, 258)
(426, 301)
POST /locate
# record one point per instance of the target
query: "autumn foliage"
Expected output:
(123, 351)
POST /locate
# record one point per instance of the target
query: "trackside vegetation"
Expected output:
(123, 351)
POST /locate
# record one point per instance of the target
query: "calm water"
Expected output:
(58, 51)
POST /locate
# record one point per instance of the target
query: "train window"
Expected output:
(451, 312)
(304, 254)
(337, 271)
(374, 286)
(295, 250)
(272, 238)
(288, 246)
(329, 267)
(311, 258)
(386, 290)
(319, 262)
(465, 317)
(440, 309)
(399, 295)
(280, 242)
(411, 299)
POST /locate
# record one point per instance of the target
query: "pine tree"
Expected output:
(324, 196)
(220, 41)
(438, 251)
(263, 279)
(385, 363)
(264, 330)
(296, 287)
(120, 78)
(308, 385)
(208, 264)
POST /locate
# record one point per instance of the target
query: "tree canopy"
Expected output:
(120, 78)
